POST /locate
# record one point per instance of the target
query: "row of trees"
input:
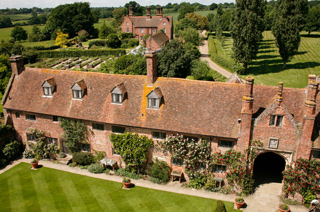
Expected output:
(248, 24)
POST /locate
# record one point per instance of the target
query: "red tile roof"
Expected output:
(189, 106)
(143, 21)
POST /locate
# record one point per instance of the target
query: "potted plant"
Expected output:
(34, 163)
(126, 182)
(239, 202)
(284, 208)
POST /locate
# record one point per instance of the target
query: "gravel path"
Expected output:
(204, 49)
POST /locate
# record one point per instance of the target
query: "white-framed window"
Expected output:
(48, 87)
(219, 168)
(52, 140)
(117, 129)
(128, 30)
(141, 30)
(164, 30)
(276, 120)
(77, 94)
(141, 38)
(177, 161)
(273, 143)
(225, 143)
(164, 23)
(31, 137)
(127, 23)
(116, 98)
(154, 98)
(47, 91)
(96, 126)
(154, 30)
(153, 103)
(159, 135)
(30, 117)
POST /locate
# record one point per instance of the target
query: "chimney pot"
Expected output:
(148, 13)
(130, 11)
(17, 64)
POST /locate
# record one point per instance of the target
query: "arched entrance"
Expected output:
(268, 168)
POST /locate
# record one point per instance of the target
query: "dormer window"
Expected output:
(154, 99)
(78, 89)
(48, 87)
(118, 94)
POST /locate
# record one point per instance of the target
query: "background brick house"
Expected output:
(228, 115)
(147, 25)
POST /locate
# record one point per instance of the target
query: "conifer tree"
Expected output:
(246, 30)
(218, 22)
(287, 25)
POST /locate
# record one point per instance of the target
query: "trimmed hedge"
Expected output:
(40, 47)
(81, 53)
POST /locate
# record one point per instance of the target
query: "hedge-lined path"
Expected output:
(265, 199)
(204, 50)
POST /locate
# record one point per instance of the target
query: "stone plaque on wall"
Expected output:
(273, 143)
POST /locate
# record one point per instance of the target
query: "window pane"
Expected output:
(272, 120)
(159, 135)
(279, 121)
(30, 117)
(17, 115)
(219, 168)
(224, 143)
(54, 118)
(177, 161)
(97, 126)
(316, 153)
(116, 129)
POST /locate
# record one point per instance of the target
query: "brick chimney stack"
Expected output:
(280, 93)
(151, 58)
(148, 13)
(159, 11)
(130, 11)
(245, 127)
(17, 64)
(305, 142)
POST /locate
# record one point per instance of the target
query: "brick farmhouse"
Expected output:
(228, 115)
(141, 26)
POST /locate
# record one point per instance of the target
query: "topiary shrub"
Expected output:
(160, 170)
(95, 168)
(220, 207)
(13, 150)
(83, 158)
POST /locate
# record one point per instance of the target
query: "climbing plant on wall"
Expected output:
(74, 133)
(302, 178)
(132, 148)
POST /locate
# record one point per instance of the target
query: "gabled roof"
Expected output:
(49, 81)
(190, 106)
(79, 84)
(234, 78)
(160, 38)
(120, 89)
(143, 21)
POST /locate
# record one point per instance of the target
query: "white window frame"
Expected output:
(141, 30)
(116, 98)
(76, 94)
(159, 135)
(164, 23)
(164, 30)
(127, 23)
(154, 30)
(31, 117)
(276, 120)
(128, 30)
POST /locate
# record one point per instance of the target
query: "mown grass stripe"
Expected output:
(5, 201)
(28, 192)
(103, 195)
(60, 197)
(15, 193)
(86, 195)
(43, 192)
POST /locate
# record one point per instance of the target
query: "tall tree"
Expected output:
(218, 22)
(136, 8)
(187, 8)
(287, 25)
(18, 33)
(246, 30)
(71, 18)
(313, 20)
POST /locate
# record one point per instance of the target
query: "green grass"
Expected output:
(23, 189)
(5, 32)
(267, 68)
(19, 17)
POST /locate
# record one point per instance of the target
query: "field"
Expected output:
(23, 189)
(267, 68)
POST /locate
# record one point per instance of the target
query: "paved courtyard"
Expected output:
(265, 199)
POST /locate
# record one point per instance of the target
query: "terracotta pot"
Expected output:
(239, 204)
(35, 165)
(282, 210)
(126, 185)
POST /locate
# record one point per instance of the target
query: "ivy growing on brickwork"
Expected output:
(74, 133)
(239, 175)
(132, 148)
(302, 179)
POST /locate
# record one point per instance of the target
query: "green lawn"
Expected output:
(23, 189)
(5, 32)
(267, 68)
(18, 17)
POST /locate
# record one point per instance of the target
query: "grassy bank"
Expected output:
(23, 189)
